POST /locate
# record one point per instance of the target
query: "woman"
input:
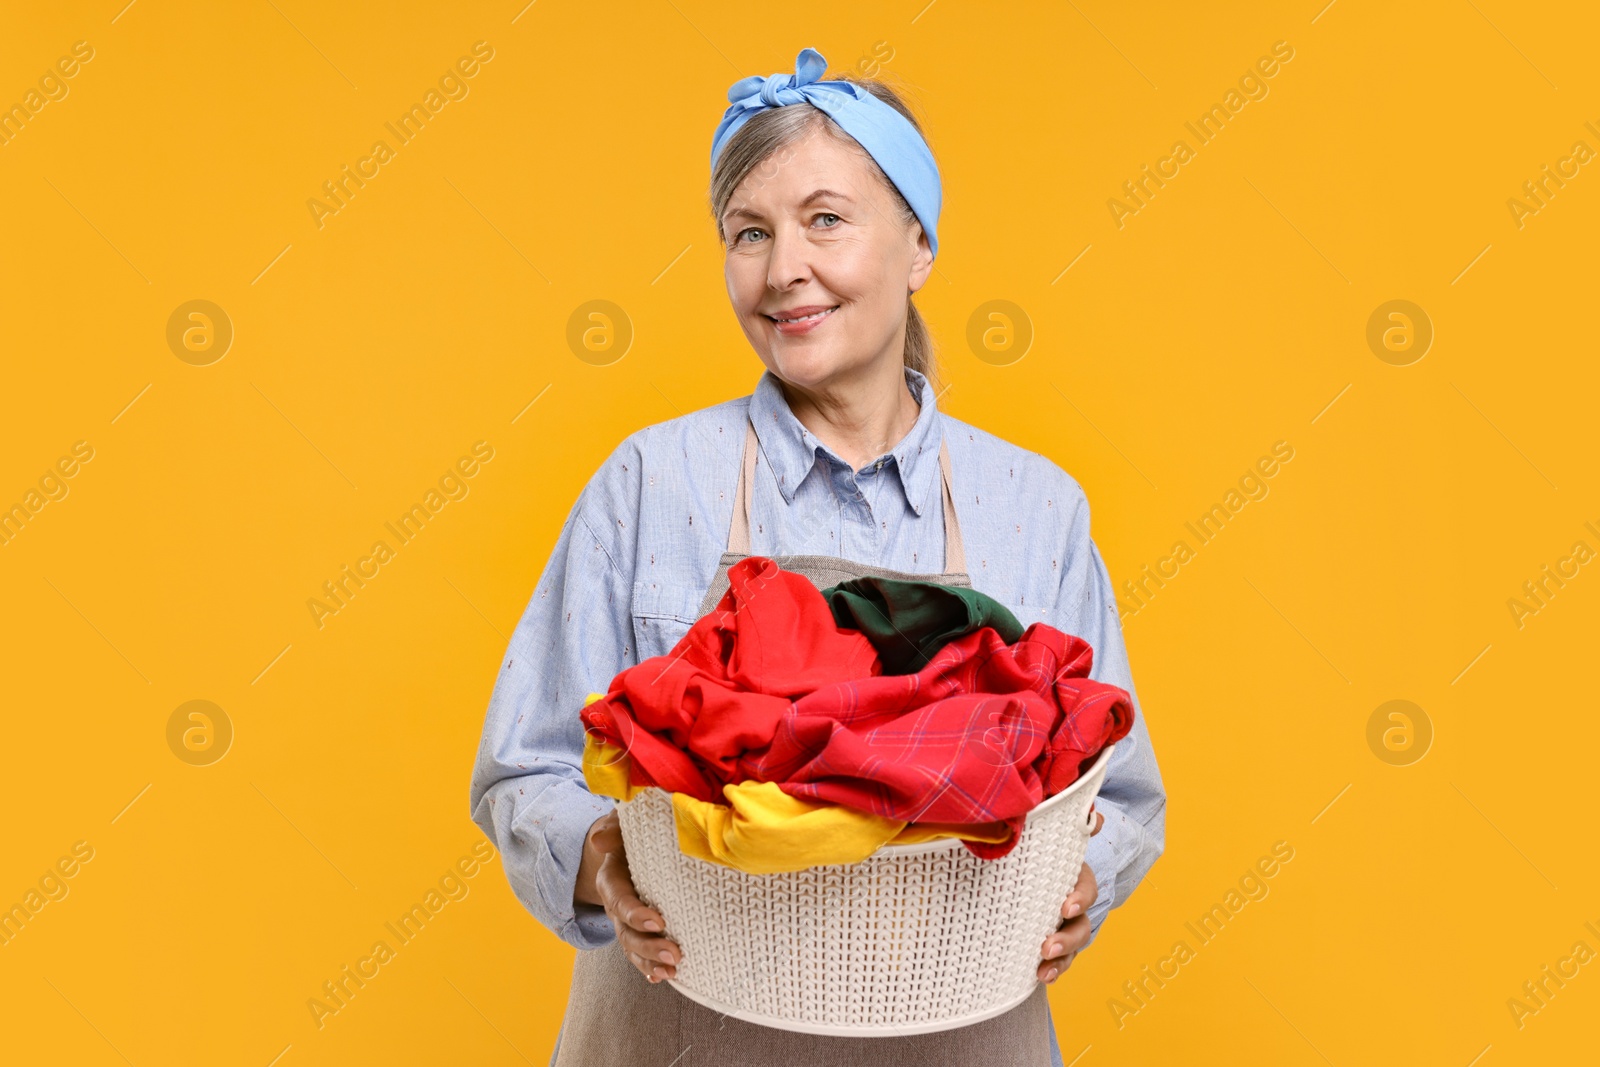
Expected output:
(839, 464)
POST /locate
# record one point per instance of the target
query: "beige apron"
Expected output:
(616, 1017)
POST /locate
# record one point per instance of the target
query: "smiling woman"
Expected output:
(839, 465)
(791, 185)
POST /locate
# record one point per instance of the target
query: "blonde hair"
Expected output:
(774, 129)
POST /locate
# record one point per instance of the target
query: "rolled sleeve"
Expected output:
(1132, 797)
(527, 792)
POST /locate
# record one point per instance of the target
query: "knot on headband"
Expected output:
(886, 135)
(808, 68)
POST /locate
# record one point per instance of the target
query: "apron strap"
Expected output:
(955, 552)
(739, 534)
(955, 549)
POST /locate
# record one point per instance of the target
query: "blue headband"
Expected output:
(886, 135)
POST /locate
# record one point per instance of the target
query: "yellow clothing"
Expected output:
(763, 830)
(605, 766)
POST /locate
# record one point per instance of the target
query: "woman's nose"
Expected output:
(790, 261)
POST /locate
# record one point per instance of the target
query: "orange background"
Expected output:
(370, 353)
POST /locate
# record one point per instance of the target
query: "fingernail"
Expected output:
(1050, 975)
(657, 975)
(1073, 909)
(664, 956)
(650, 925)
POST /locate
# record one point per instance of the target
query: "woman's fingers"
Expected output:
(1099, 821)
(656, 972)
(1069, 937)
(655, 957)
(606, 833)
(1061, 947)
(614, 882)
(1083, 894)
(603, 837)
(620, 901)
(648, 951)
(638, 925)
(1050, 970)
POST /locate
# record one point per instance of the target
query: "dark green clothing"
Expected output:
(907, 622)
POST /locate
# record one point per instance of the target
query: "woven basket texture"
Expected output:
(913, 939)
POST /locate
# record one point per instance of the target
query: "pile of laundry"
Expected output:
(797, 727)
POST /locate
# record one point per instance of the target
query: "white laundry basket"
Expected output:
(913, 939)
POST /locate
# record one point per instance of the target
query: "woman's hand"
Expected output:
(1061, 947)
(603, 880)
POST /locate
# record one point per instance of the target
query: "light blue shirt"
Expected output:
(638, 551)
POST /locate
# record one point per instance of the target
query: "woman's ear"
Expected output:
(921, 261)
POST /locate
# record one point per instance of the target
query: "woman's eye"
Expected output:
(739, 238)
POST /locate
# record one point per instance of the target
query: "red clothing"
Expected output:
(685, 719)
(768, 688)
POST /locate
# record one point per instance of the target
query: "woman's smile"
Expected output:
(802, 320)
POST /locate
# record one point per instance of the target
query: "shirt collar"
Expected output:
(791, 449)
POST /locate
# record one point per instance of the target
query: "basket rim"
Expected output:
(1095, 774)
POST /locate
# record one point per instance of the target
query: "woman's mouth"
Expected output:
(792, 325)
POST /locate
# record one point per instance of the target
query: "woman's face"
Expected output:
(813, 228)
